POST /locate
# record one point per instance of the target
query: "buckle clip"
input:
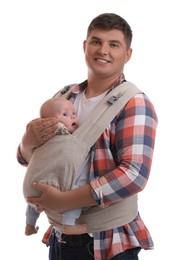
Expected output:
(112, 99)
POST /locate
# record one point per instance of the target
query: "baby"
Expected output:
(65, 111)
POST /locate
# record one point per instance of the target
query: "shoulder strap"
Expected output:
(105, 112)
(66, 91)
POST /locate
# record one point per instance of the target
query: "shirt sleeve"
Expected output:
(20, 158)
(31, 215)
(133, 137)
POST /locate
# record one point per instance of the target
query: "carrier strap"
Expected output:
(106, 110)
(118, 214)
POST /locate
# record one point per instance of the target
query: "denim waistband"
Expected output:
(74, 240)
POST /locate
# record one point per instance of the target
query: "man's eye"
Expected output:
(95, 42)
(114, 45)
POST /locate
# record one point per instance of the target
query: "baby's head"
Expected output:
(62, 109)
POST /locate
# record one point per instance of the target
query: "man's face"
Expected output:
(106, 52)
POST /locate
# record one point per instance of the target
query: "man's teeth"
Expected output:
(100, 60)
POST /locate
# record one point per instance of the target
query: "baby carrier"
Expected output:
(58, 161)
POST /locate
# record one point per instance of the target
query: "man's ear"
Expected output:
(84, 45)
(129, 54)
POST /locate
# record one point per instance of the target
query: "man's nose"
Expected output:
(103, 49)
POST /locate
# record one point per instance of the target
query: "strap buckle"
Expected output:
(112, 99)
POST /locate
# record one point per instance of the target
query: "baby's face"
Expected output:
(67, 115)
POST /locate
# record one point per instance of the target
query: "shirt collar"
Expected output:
(81, 86)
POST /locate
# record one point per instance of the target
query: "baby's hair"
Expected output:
(50, 106)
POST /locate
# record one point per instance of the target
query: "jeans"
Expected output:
(130, 254)
(77, 248)
(82, 251)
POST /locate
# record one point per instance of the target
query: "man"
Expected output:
(122, 158)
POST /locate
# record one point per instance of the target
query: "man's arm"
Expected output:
(134, 134)
(53, 199)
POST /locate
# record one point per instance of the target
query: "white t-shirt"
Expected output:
(85, 106)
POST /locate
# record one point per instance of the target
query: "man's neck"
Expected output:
(97, 86)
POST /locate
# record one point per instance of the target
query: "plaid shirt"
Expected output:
(120, 168)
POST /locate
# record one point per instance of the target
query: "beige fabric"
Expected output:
(58, 161)
(100, 219)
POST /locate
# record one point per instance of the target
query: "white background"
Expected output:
(40, 52)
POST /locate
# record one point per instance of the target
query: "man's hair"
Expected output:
(109, 21)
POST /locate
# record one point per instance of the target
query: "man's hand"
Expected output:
(38, 131)
(50, 199)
